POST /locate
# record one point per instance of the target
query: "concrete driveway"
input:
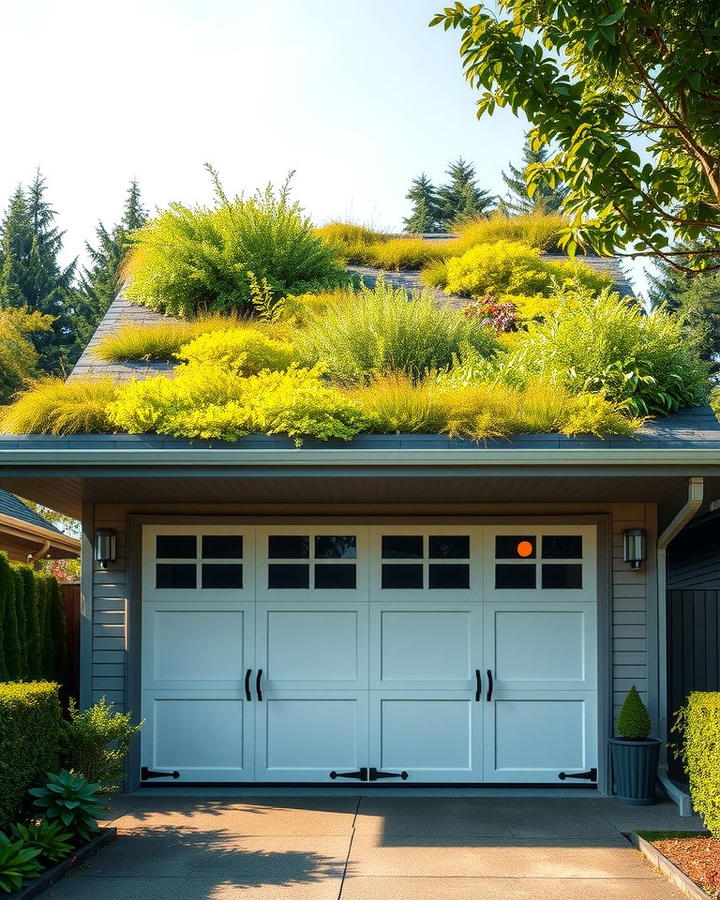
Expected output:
(372, 848)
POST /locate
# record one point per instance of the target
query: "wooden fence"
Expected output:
(71, 603)
(693, 640)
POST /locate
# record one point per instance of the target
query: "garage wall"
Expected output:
(634, 629)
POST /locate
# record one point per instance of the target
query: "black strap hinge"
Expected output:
(361, 774)
(588, 776)
(146, 774)
(376, 774)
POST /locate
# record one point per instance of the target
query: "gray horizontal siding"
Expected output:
(109, 631)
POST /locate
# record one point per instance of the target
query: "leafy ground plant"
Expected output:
(210, 402)
(243, 351)
(191, 261)
(17, 863)
(379, 330)
(509, 267)
(54, 406)
(51, 839)
(95, 742)
(71, 800)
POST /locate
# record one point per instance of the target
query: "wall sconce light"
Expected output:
(105, 546)
(635, 547)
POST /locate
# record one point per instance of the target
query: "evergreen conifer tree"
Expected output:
(56, 628)
(460, 198)
(10, 636)
(30, 272)
(3, 612)
(424, 215)
(47, 658)
(545, 199)
(19, 591)
(102, 280)
(32, 622)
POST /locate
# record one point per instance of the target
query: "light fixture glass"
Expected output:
(105, 546)
(635, 547)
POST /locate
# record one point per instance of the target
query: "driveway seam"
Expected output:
(349, 850)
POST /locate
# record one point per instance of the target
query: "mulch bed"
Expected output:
(697, 857)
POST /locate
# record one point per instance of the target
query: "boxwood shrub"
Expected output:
(29, 736)
(699, 723)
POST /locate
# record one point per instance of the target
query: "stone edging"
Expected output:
(56, 872)
(660, 861)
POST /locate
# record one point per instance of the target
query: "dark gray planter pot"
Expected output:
(635, 765)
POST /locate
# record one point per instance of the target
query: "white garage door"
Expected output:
(429, 654)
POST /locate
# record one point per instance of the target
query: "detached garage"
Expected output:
(426, 652)
(397, 610)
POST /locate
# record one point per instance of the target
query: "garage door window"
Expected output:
(188, 561)
(418, 562)
(558, 566)
(330, 561)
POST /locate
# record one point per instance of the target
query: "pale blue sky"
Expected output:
(357, 96)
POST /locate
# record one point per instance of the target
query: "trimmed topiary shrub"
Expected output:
(699, 724)
(29, 735)
(633, 722)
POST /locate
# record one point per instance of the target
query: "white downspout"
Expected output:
(692, 504)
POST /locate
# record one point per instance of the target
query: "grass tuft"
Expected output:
(163, 340)
(53, 406)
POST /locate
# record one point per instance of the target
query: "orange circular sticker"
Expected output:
(524, 549)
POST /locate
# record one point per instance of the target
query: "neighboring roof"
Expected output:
(12, 506)
(122, 312)
(25, 534)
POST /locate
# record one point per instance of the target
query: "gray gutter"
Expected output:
(478, 457)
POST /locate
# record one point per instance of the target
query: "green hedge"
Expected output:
(29, 735)
(699, 723)
(32, 625)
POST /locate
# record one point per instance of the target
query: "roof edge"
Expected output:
(449, 457)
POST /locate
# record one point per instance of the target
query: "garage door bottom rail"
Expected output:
(374, 785)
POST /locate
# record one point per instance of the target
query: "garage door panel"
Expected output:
(424, 645)
(303, 736)
(431, 735)
(305, 646)
(186, 648)
(534, 738)
(541, 645)
(205, 736)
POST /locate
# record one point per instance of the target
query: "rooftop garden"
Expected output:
(271, 335)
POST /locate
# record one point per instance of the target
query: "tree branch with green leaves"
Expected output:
(628, 96)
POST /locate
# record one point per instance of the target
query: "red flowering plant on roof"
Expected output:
(502, 316)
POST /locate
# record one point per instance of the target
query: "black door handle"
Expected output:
(258, 690)
(248, 695)
(478, 686)
(490, 684)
